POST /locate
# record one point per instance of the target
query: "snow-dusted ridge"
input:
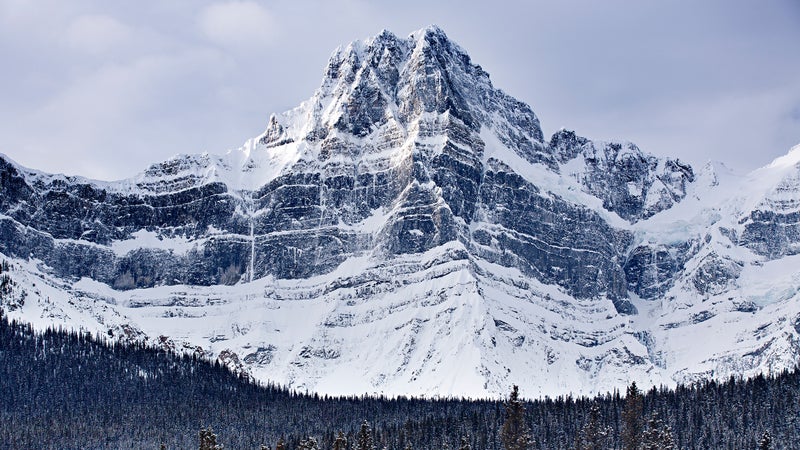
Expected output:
(409, 230)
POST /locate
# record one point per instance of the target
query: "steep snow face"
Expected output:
(408, 230)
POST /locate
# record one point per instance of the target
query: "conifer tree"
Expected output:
(632, 422)
(657, 436)
(340, 443)
(208, 440)
(593, 435)
(766, 441)
(281, 445)
(365, 438)
(515, 433)
(464, 444)
(308, 444)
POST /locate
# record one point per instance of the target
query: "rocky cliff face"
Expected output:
(412, 205)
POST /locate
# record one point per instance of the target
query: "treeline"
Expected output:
(70, 390)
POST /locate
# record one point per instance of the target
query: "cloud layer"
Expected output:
(238, 24)
(103, 88)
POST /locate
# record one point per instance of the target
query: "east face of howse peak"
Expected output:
(410, 230)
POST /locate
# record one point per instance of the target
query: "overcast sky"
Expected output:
(104, 88)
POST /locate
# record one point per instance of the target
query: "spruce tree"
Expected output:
(308, 444)
(340, 443)
(281, 445)
(365, 438)
(632, 422)
(657, 436)
(593, 435)
(515, 433)
(208, 440)
(766, 441)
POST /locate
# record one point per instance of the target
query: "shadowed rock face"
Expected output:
(773, 234)
(632, 184)
(395, 132)
(550, 239)
(650, 270)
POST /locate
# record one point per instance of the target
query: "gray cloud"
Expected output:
(97, 34)
(102, 88)
(238, 24)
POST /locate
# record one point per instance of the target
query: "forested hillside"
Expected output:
(63, 390)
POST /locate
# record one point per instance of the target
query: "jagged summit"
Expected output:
(387, 86)
(394, 89)
(412, 205)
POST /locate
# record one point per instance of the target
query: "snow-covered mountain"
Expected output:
(409, 230)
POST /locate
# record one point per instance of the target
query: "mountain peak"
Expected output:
(431, 33)
(385, 79)
(430, 30)
(389, 51)
(412, 204)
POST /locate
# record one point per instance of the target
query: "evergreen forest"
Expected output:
(71, 390)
